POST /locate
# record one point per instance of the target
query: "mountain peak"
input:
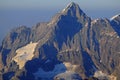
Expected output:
(72, 9)
(72, 4)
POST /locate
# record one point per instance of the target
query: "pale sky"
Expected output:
(14, 13)
(28, 4)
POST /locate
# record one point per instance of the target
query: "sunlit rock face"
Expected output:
(103, 76)
(70, 46)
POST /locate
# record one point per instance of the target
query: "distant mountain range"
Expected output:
(71, 46)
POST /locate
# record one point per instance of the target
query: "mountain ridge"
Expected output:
(70, 46)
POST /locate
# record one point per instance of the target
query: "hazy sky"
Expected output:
(28, 4)
(14, 13)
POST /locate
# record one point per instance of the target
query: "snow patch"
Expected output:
(24, 54)
(100, 61)
(68, 6)
(62, 68)
(59, 68)
(63, 10)
(66, 70)
(114, 17)
(103, 76)
(99, 74)
(68, 75)
(117, 36)
(69, 66)
(94, 21)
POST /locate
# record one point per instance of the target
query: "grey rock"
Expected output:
(71, 36)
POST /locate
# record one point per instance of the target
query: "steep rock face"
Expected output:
(16, 38)
(39, 31)
(70, 46)
(115, 21)
(107, 45)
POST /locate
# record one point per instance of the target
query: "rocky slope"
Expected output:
(71, 46)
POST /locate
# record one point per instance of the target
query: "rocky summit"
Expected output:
(71, 46)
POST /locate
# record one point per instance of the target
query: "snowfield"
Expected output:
(59, 68)
(24, 54)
